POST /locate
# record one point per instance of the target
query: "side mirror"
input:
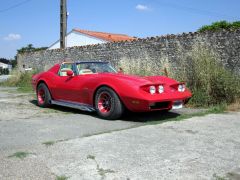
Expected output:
(69, 73)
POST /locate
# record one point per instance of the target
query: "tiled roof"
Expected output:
(106, 36)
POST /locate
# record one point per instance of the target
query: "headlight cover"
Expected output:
(160, 89)
(152, 89)
(181, 87)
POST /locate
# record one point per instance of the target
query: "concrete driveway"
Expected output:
(23, 123)
(64, 143)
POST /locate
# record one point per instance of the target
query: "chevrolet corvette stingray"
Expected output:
(97, 86)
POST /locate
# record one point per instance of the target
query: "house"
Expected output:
(3, 66)
(79, 37)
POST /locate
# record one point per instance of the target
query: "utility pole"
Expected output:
(63, 23)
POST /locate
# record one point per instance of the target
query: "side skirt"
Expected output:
(80, 106)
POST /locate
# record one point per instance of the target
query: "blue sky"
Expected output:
(37, 21)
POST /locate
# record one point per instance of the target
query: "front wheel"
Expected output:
(107, 104)
(43, 95)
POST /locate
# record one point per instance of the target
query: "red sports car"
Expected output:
(97, 86)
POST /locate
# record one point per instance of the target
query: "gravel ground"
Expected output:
(198, 148)
(22, 123)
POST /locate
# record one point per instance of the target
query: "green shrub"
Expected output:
(4, 71)
(209, 81)
(220, 25)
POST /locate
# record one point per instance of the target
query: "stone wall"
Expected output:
(150, 53)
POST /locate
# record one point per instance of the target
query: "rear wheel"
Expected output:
(43, 95)
(107, 104)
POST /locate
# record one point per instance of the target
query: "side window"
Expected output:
(85, 69)
(64, 67)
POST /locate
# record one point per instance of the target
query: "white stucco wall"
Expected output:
(77, 39)
(4, 66)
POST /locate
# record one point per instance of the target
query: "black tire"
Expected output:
(112, 108)
(43, 96)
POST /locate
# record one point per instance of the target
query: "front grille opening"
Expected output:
(160, 105)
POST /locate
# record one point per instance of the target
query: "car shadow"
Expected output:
(153, 116)
(67, 110)
(142, 117)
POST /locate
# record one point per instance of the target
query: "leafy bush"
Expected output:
(4, 71)
(209, 81)
(30, 48)
(220, 25)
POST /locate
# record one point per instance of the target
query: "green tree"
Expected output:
(30, 48)
(220, 25)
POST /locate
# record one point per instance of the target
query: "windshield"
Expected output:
(94, 67)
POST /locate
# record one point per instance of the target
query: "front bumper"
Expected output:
(157, 102)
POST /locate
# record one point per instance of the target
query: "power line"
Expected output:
(15, 6)
(194, 10)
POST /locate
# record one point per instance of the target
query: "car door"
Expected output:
(67, 87)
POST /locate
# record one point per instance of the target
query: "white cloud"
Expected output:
(141, 7)
(12, 37)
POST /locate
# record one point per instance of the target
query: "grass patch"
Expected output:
(49, 143)
(166, 117)
(21, 80)
(91, 157)
(20, 155)
(217, 177)
(61, 178)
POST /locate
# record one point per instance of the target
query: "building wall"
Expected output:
(4, 66)
(149, 53)
(77, 39)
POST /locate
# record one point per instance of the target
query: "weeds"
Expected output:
(209, 81)
(168, 117)
(91, 157)
(61, 178)
(22, 80)
(102, 172)
(49, 143)
(20, 155)
(217, 177)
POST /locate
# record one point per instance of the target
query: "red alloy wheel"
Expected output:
(104, 102)
(41, 96)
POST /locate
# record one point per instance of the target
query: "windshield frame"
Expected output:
(97, 63)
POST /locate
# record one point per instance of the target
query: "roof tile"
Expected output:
(106, 36)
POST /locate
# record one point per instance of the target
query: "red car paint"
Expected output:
(132, 90)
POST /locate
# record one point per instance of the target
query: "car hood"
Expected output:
(142, 80)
